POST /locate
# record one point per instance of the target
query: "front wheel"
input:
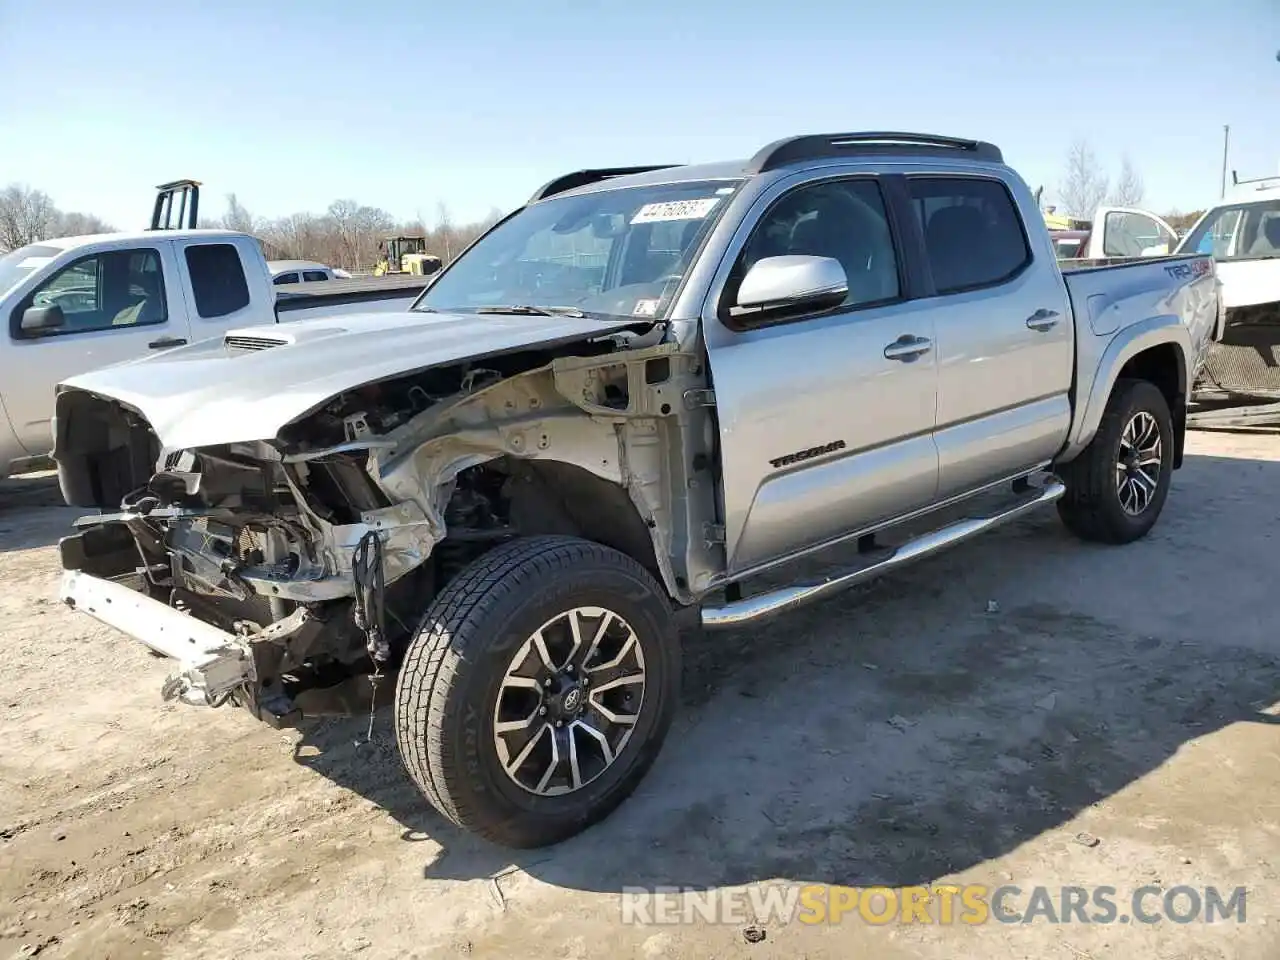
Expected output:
(538, 689)
(1117, 486)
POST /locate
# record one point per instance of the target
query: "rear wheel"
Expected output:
(538, 689)
(1117, 486)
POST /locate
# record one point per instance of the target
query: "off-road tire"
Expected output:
(450, 678)
(1091, 508)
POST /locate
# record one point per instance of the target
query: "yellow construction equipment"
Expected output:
(405, 255)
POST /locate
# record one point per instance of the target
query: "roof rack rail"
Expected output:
(168, 204)
(1236, 181)
(822, 145)
(580, 178)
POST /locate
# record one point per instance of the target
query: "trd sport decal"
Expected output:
(809, 454)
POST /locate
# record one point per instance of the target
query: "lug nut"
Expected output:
(546, 682)
(569, 668)
(542, 711)
(559, 723)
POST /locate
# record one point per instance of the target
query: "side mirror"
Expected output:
(39, 320)
(793, 281)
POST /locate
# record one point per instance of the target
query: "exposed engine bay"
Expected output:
(269, 542)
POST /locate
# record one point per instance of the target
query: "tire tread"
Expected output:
(1089, 477)
(444, 642)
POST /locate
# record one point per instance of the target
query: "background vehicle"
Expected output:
(1069, 244)
(619, 408)
(302, 271)
(405, 255)
(1242, 233)
(77, 303)
(1113, 233)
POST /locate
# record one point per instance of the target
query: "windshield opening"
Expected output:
(17, 265)
(612, 253)
(1241, 231)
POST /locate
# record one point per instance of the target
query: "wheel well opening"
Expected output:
(551, 497)
(1163, 366)
(510, 497)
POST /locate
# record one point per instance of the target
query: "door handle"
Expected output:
(907, 347)
(1043, 320)
(166, 342)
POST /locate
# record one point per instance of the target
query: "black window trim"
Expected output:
(905, 276)
(923, 252)
(279, 279)
(15, 318)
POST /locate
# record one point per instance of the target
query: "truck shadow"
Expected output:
(928, 722)
(32, 512)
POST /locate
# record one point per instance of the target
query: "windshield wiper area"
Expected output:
(525, 310)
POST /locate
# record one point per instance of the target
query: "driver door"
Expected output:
(118, 305)
(825, 420)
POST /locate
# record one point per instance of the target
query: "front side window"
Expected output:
(843, 220)
(118, 288)
(1244, 231)
(972, 231)
(284, 278)
(620, 252)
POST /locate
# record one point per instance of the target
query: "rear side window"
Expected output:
(310, 275)
(285, 278)
(972, 232)
(217, 279)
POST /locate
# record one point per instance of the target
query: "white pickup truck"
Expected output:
(1242, 234)
(1116, 233)
(75, 304)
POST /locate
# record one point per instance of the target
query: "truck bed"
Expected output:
(348, 295)
(1110, 294)
(1077, 264)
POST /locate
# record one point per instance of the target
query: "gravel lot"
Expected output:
(901, 734)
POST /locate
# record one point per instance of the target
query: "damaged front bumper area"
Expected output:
(238, 565)
(312, 661)
(288, 574)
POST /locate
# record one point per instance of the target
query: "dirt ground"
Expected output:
(909, 732)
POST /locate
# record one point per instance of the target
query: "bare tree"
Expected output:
(26, 216)
(74, 224)
(1129, 189)
(444, 230)
(1084, 184)
(237, 217)
(345, 235)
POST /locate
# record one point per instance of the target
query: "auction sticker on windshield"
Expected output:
(675, 210)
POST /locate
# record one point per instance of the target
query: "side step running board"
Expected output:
(764, 605)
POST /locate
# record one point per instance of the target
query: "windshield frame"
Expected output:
(730, 185)
(1214, 215)
(43, 252)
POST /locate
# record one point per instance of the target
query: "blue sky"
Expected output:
(293, 104)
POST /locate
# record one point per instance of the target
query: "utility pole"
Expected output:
(1226, 140)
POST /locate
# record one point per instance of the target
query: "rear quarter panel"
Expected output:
(1125, 308)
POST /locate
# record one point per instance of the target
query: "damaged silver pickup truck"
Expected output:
(615, 409)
